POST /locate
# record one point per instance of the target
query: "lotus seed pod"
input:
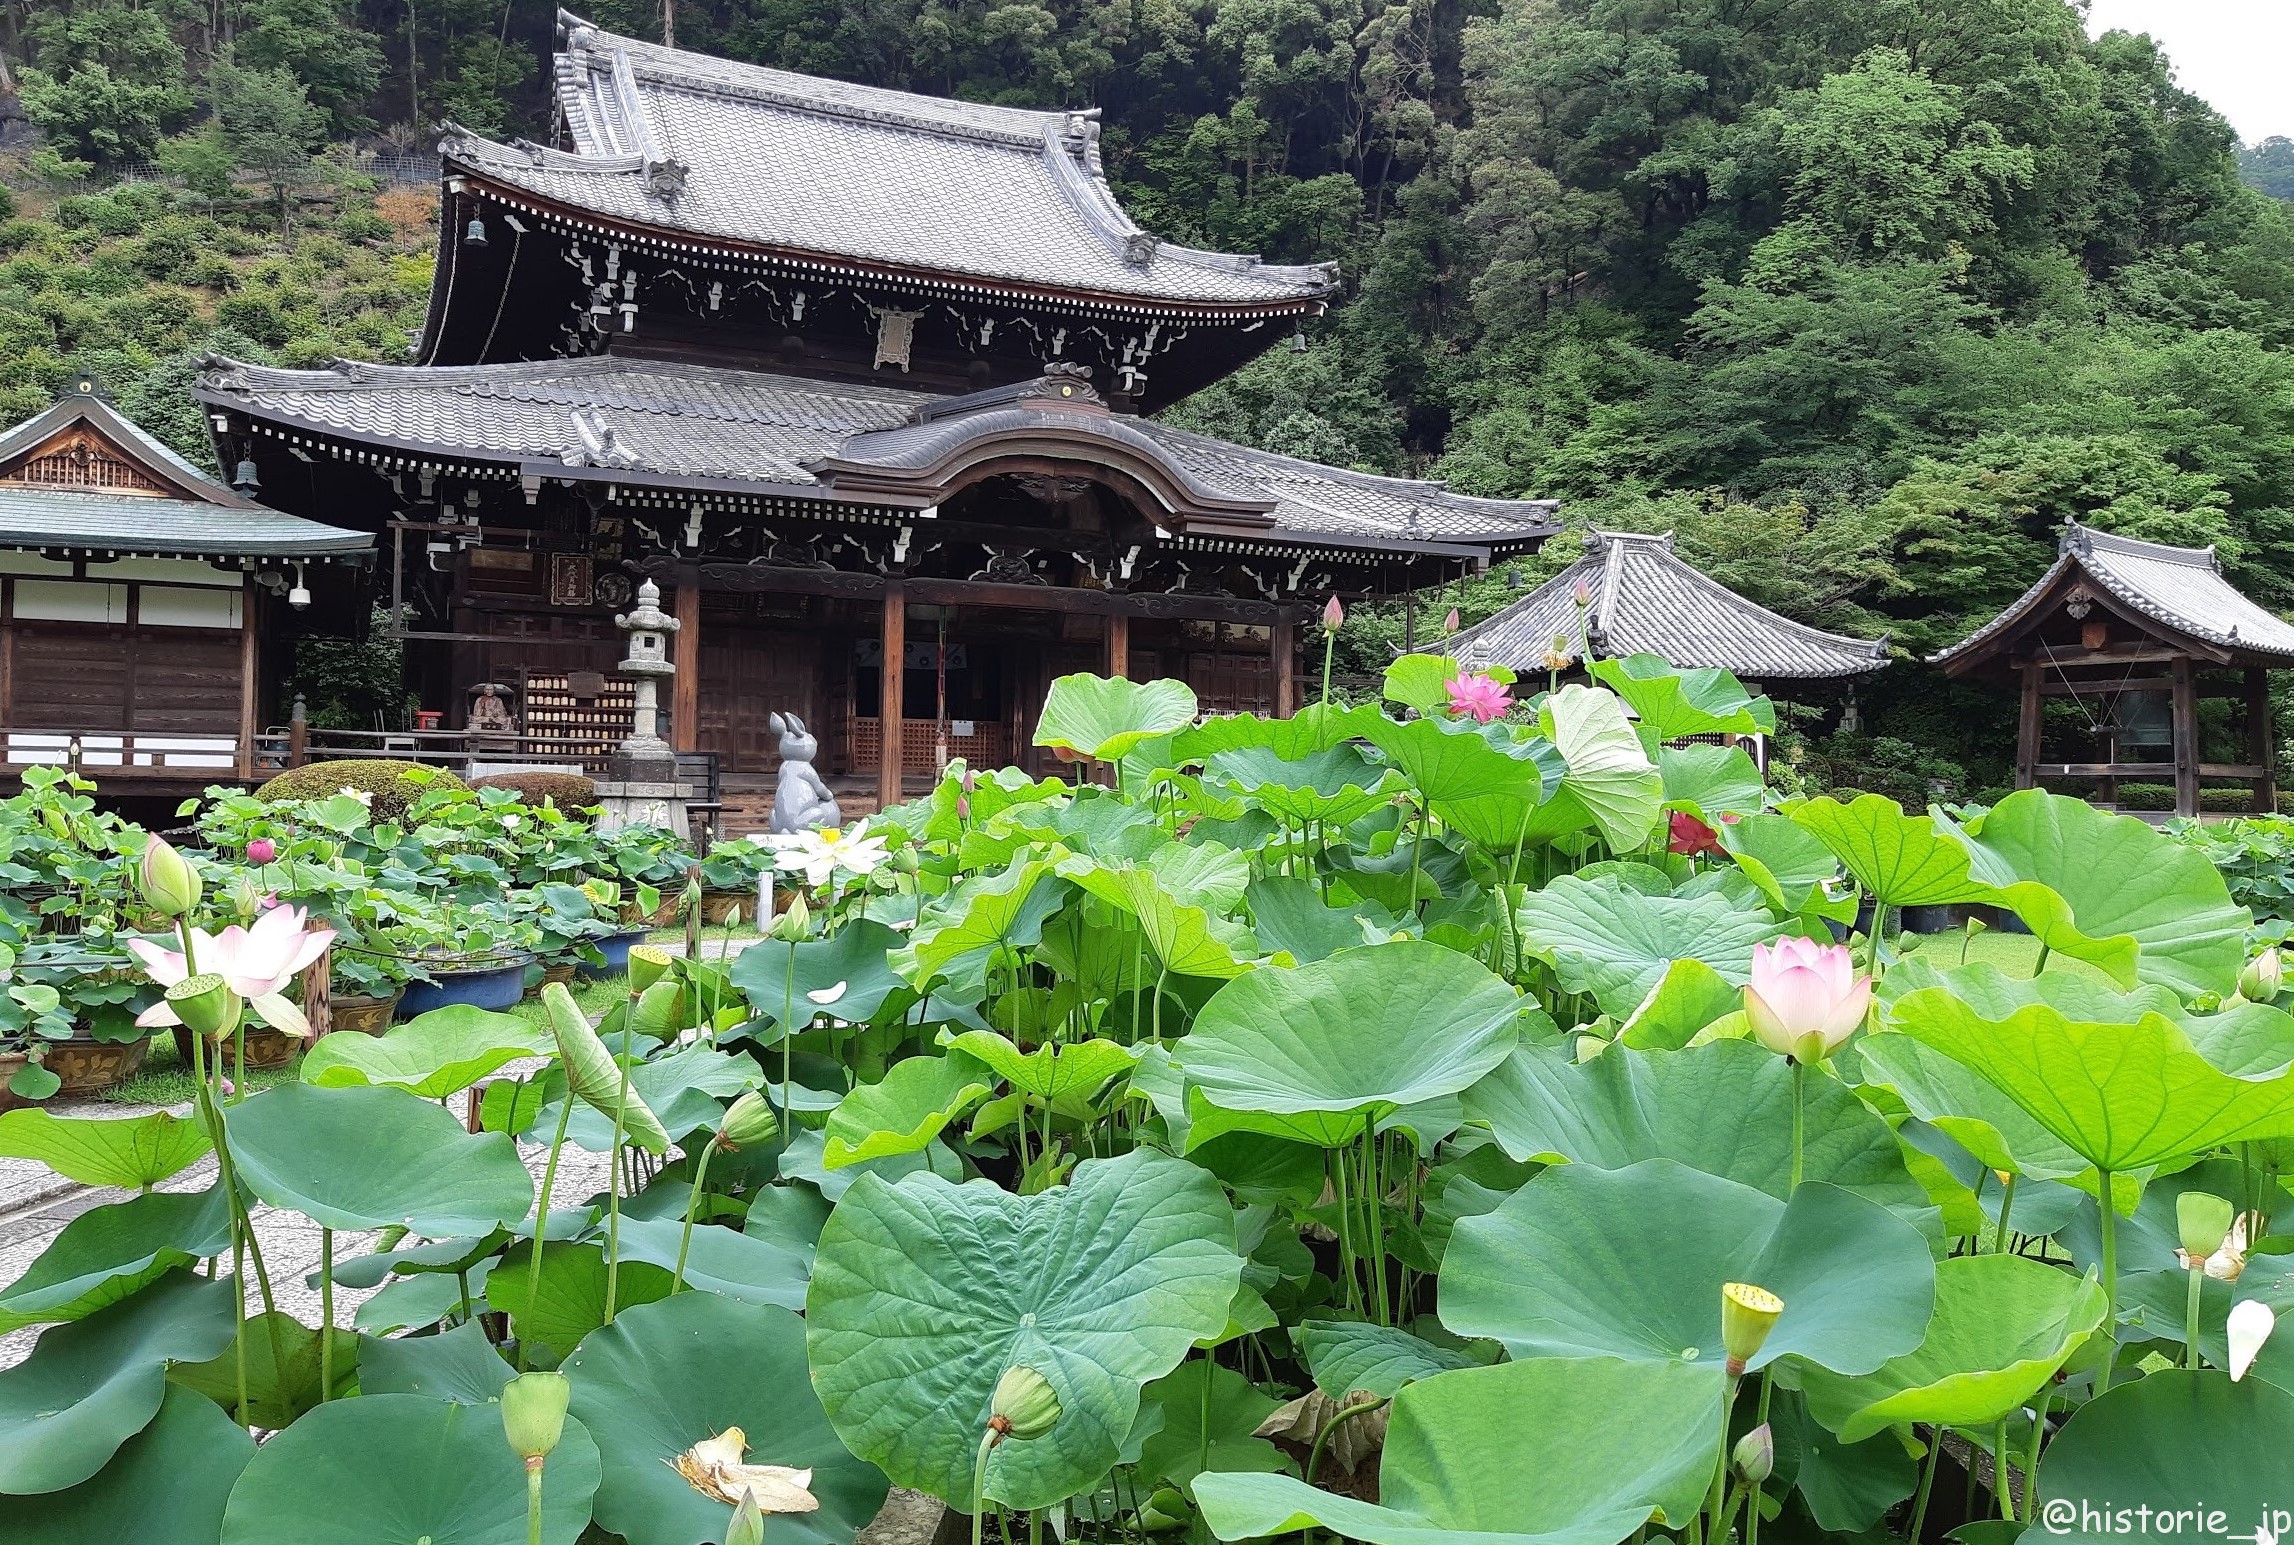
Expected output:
(2204, 1222)
(1748, 1314)
(1025, 1403)
(593, 1075)
(2263, 978)
(748, 1525)
(206, 1004)
(656, 1012)
(748, 1121)
(1755, 1455)
(170, 885)
(534, 1413)
(648, 963)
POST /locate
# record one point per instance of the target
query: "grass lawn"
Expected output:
(2015, 954)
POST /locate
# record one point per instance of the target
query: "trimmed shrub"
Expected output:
(568, 791)
(388, 781)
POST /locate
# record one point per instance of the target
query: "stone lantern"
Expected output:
(641, 787)
(648, 627)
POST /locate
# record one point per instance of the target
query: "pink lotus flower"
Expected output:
(1691, 836)
(262, 850)
(256, 963)
(1805, 999)
(1485, 697)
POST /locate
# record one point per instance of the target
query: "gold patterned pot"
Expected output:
(11, 1063)
(266, 1047)
(721, 907)
(368, 1016)
(91, 1067)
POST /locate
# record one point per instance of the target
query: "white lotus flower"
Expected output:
(714, 1468)
(820, 855)
(2251, 1322)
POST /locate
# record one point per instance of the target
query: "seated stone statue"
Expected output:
(489, 715)
(801, 801)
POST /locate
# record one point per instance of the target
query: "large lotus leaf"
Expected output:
(1201, 873)
(2121, 1096)
(1422, 681)
(570, 1300)
(923, 1294)
(1605, 937)
(1053, 1071)
(433, 1055)
(1724, 1108)
(902, 1112)
(130, 1152)
(1554, 1451)
(1712, 781)
(2245, 1040)
(90, 1386)
(1455, 759)
(801, 1160)
(460, 1365)
(1630, 1263)
(412, 1303)
(1182, 937)
(980, 919)
(1789, 864)
(2003, 1325)
(1671, 702)
(375, 1157)
(1847, 1487)
(1313, 1053)
(1350, 1355)
(1611, 785)
(1206, 1429)
(1687, 998)
(402, 1467)
(664, 1376)
(719, 1260)
(852, 964)
(1101, 717)
(167, 1483)
(1901, 860)
(1313, 728)
(1959, 1102)
(1289, 916)
(2175, 1439)
(277, 1392)
(107, 1253)
(1336, 786)
(2113, 878)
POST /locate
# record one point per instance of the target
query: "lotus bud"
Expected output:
(534, 1413)
(964, 801)
(1747, 1315)
(2263, 978)
(908, 861)
(1755, 1455)
(170, 885)
(747, 1122)
(245, 900)
(2251, 1322)
(794, 922)
(1583, 594)
(1450, 623)
(748, 1525)
(262, 850)
(2204, 1222)
(655, 1013)
(648, 963)
(1333, 615)
(1025, 1406)
(206, 1004)
(969, 781)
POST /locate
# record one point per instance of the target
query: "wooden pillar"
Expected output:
(1283, 645)
(888, 710)
(7, 652)
(250, 667)
(2186, 736)
(2027, 729)
(2261, 744)
(1119, 645)
(685, 686)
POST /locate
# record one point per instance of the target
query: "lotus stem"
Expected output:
(692, 1205)
(2002, 1488)
(1346, 1256)
(1203, 1414)
(2190, 1315)
(2031, 1461)
(1716, 1532)
(1329, 643)
(326, 1313)
(988, 1441)
(2006, 1204)
(2107, 1212)
(1799, 1091)
(1344, 1414)
(542, 1217)
(534, 1501)
(1927, 1484)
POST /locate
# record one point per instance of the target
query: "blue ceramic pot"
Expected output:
(496, 987)
(615, 948)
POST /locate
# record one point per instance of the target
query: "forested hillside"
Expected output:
(1862, 297)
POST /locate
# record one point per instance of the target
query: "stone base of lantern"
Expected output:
(640, 790)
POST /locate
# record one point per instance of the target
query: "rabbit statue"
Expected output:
(801, 801)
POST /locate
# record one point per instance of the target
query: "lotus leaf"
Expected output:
(1630, 1263)
(923, 1294)
(854, 958)
(433, 1055)
(1611, 785)
(460, 1365)
(1670, 703)
(909, 1107)
(1712, 781)
(1687, 998)
(277, 1393)
(1184, 1446)
(107, 1253)
(373, 1157)
(2174, 1439)
(168, 1482)
(738, 1265)
(1053, 1071)
(1608, 938)
(132, 1152)
(1349, 1355)
(1100, 718)
(1333, 786)
(571, 1300)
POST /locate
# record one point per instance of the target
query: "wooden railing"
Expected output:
(123, 753)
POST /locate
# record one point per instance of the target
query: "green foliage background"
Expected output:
(1860, 297)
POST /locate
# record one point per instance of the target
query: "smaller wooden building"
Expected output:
(1639, 597)
(136, 597)
(2136, 634)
